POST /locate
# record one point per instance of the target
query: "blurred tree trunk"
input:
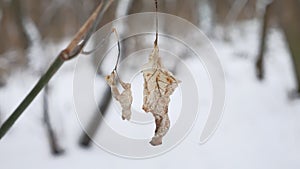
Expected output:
(248, 11)
(138, 6)
(57, 19)
(187, 9)
(53, 141)
(239, 9)
(12, 31)
(95, 121)
(54, 20)
(269, 12)
(13, 37)
(287, 13)
(228, 12)
(221, 9)
(290, 22)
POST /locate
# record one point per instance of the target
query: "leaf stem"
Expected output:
(156, 17)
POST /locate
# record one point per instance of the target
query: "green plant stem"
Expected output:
(73, 49)
(33, 93)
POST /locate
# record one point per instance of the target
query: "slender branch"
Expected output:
(95, 122)
(72, 50)
(265, 25)
(55, 148)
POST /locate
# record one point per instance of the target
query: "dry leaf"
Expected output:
(159, 84)
(125, 98)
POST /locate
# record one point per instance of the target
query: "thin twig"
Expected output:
(95, 122)
(119, 48)
(72, 50)
(55, 148)
(262, 48)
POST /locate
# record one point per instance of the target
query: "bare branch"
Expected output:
(55, 148)
(96, 119)
(265, 25)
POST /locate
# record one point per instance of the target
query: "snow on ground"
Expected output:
(260, 128)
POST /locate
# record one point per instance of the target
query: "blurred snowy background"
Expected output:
(258, 44)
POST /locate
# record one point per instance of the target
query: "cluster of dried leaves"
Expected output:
(159, 84)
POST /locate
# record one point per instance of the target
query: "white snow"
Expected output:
(260, 127)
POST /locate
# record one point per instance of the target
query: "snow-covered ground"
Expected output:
(260, 127)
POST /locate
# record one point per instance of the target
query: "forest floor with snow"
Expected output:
(260, 127)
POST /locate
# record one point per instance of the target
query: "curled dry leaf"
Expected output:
(125, 98)
(159, 84)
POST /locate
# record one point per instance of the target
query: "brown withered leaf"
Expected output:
(124, 98)
(159, 84)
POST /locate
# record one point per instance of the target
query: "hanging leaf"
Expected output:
(159, 84)
(125, 98)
